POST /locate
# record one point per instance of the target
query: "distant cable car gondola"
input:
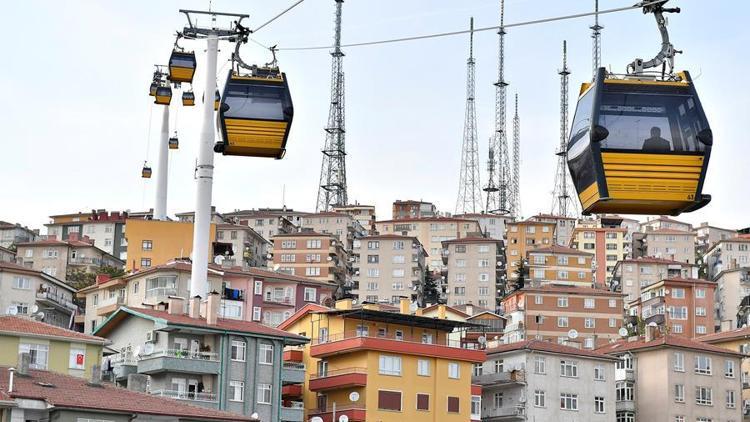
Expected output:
(640, 144)
(174, 142)
(152, 89)
(146, 171)
(217, 100)
(188, 98)
(181, 64)
(163, 95)
(256, 111)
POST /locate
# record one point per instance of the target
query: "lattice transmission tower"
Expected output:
(332, 187)
(562, 203)
(515, 203)
(499, 183)
(596, 40)
(469, 186)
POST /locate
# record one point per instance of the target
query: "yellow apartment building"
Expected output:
(154, 242)
(560, 265)
(375, 365)
(524, 236)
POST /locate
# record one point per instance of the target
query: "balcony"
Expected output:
(356, 341)
(123, 364)
(56, 300)
(339, 378)
(172, 360)
(196, 398)
(355, 413)
(505, 413)
(291, 390)
(279, 300)
(502, 379)
(293, 411)
(233, 294)
(109, 305)
(293, 355)
(625, 406)
(293, 373)
(84, 261)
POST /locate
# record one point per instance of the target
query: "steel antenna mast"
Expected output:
(332, 186)
(469, 187)
(516, 192)
(596, 40)
(562, 203)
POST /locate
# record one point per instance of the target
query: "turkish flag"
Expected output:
(79, 359)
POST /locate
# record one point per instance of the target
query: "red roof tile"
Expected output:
(546, 346)
(66, 391)
(667, 340)
(654, 260)
(310, 307)
(557, 249)
(739, 333)
(24, 325)
(472, 239)
(576, 290)
(428, 219)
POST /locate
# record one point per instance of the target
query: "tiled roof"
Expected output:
(67, 391)
(260, 272)
(667, 340)
(310, 307)
(739, 333)
(23, 325)
(654, 260)
(447, 309)
(9, 266)
(669, 231)
(556, 217)
(222, 324)
(576, 290)
(472, 239)
(388, 236)
(428, 219)
(546, 346)
(689, 281)
(58, 242)
(304, 234)
(557, 249)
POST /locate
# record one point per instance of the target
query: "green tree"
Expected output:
(80, 279)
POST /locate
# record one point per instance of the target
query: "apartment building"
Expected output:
(732, 292)
(737, 341)
(523, 236)
(269, 222)
(376, 365)
(553, 313)
(707, 235)
(106, 229)
(676, 245)
(13, 234)
(388, 267)
(608, 244)
(59, 258)
(189, 216)
(7, 255)
(154, 242)
(535, 380)
(560, 265)
(342, 225)
(409, 209)
(727, 255)
(685, 306)
(364, 214)
(50, 347)
(563, 226)
(491, 225)
(242, 245)
(474, 266)
(204, 360)
(631, 275)
(22, 288)
(663, 222)
(318, 256)
(431, 232)
(673, 378)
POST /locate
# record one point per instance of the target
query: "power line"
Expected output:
(277, 16)
(487, 28)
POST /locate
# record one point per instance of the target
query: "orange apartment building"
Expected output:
(319, 256)
(608, 244)
(684, 306)
(523, 236)
(560, 265)
(550, 313)
(378, 365)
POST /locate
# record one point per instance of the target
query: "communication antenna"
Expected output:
(562, 203)
(596, 40)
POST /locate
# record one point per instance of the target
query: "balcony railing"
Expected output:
(283, 300)
(500, 378)
(403, 338)
(184, 354)
(294, 365)
(56, 298)
(337, 372)
(518, 411)
(84, 261)
(161, 291)
(114, 300)
(294, 405)
(186, 395)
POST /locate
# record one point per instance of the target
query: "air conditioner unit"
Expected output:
(151, 336)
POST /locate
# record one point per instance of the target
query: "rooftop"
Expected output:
(669, 231)
(66, 391)
(654, 260)
(740, 333)
(24, 326)
(667, 340)
(574, 290)
(427, 220)
(15, 268)
(472, 239)
(548, 347)
(557, 249)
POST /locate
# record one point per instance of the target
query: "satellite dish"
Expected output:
(40, 316)
(329, 259)
(499, 263)
(34, 308)
(354, 396)
(148, 348)
(622, 332)
(276, 267)
(413, 307)
(218, 259)
(13, 311)
(573, 333)
(343, 418)
(354, 301)
(255, 415)
(316, 419)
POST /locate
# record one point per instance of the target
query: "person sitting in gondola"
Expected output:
(656, 143)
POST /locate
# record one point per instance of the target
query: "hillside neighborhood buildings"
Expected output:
(560, 265)
(474, 266)
(13, 234)
(59, 258)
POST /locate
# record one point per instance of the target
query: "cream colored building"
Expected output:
(248, 247)
(106, 229)
(707, 235)
(364, 214)
(732, 286)
(727, 255)
(492, 225)
(524, 236)
(671, 378)
(268, 222)
(563, 226)
(60, 257)
(663, 222)
(12, 234)
(431, 232)
(472, 270)
(388, 267)
(632, 275)
(342, 225)
(677, 245)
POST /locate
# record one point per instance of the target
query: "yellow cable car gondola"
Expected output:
(640, 144)
(174, 142)
(217, 100)
(146, 171)
(188, 98)
(181, 64)
(163, 95)
(152, 89)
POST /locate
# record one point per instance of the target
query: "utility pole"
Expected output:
(332, 186)
(469, 186)
(516, 192)
(596, 39)
(562, 203)
(204, 170)
(162, 168)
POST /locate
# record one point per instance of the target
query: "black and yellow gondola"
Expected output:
(255, 115)
(188, 98)
(146, 171)
(173, 142)
(163, 95)
(639, 146)
(182, 66)
(152, 89)
(217, 100)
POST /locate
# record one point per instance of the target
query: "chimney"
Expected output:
(137, 382)
(650, 333)
(194, 307)
(212, 308)
(24, 360)
(470, 309)
(175, 305)
(419, 312)
(403, 306)
(441, 312)
(11, 372)
(344, 304)
(96, 376)
(73, 236)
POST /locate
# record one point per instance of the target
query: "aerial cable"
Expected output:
(277, 16)
(487, 28)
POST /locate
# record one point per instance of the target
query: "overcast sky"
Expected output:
(78, 123)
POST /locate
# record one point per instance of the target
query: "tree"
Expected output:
(80, 279)
(428, 291)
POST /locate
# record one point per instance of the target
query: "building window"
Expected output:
(702, 365)
(538, 300)
(390, 365)
(256, 313)
(677, 328)
(453, 405)
(264, 393)
(599, 372)
(313, 244)
(704, 396)
(389, 400)
(731, 400)
(612, 303)
(454, 370)
(312, 271)
(423, 401)
(568, 368)
(77, 358)
(679, 393)
(145, 262)
(599, 404)
(258, 290)
(239, 350)
(568, 401)
(624, 391)
(499, 363)
(678, 293)
(679, 362)
(612, 322)
(476, 407)
(288, 244)
(310, 294)
(423, 367)
(498, 400)
(700, 293)
(589, 323)
(21, 283)
(266, 354)
(539, 398)
(38, 354)
(147, 245)
(589, 303)
(236, 391)
(540, 365)
(729, 369)
(562, 302)
(562, 321)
